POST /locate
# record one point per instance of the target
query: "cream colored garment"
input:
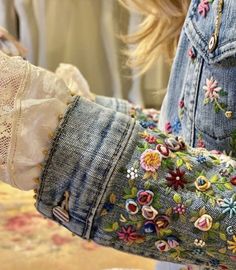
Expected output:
(31, 101)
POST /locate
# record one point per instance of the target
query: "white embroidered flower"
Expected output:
(199, 243)
(228, 160)
(132, 173)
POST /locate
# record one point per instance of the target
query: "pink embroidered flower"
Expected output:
(168, 128)
(180, 209)
(191, 53)
(212, 89)
(145, 197)
(203, 8)
(150, 160)
(200, 143)
(128, 234)
(172, 241)
(204, 223)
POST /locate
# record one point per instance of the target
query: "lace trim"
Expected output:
(12, 78)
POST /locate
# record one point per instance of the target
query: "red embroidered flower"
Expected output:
(203, 8)
(192, 53)
(128, 234)
(181, 104)
(233, 180)
(176, 179)
(151, 139)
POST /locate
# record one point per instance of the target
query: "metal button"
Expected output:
(212, 43)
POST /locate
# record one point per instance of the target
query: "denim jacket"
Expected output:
(116, 176)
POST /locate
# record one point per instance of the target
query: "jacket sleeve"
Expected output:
(147, 117)
(138, 190)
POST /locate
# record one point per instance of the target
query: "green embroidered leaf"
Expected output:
(222, 93)
(169, 212)
(222, 250)
(228, 186)
(202, 211)
(112, 198)
(183, 218)
(223, 236)
(177, 198)
(206, 101)
(220, 187)
(188, 202)
(216, 225)
(115, 226)
(214, 179)
(179, 162)
(147, 185)
(134, 191)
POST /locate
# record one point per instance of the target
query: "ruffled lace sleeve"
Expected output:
(31, 102)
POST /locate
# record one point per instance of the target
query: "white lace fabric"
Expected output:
(31, 99)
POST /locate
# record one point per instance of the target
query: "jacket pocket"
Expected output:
(212, 82)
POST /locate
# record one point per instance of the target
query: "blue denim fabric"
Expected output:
(96, 146)
(189, 75)
(89, 158)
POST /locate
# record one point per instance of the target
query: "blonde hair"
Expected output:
(158, 33)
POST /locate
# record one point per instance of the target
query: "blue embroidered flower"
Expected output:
(198, 252)
(229, 206)
(176, 126)
(201, 159)
(214, 262)
(148, 124)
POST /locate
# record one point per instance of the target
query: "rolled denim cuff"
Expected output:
(119, 105)
(84, 154)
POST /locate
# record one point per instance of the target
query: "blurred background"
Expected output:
(82, 33)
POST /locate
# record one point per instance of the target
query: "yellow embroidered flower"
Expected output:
(202, 183)
(232, 244)
(150, 160)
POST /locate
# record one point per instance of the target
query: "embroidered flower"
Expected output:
(198, 252)
(201, 159)
(232, 244)
(132, 173)
(148, 124)
(131, 207)
(203, 8)
(212, 89)
(176, 126)
(176, 179)
(204, 223)
(128, 234)
(172, 144)
(229, 206)
(150, 160)
(172, 241)
(230, 230)
(199, 243)
(202, 183)
(181, 104)
(145, 197)
(149, 227)
(228, 160)
(233, 180)
(192, 53)
(162, 246)
(149, 212)
(163, 150)
(168, 128)
(151, 139)
(162, 222)
(180, 209)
